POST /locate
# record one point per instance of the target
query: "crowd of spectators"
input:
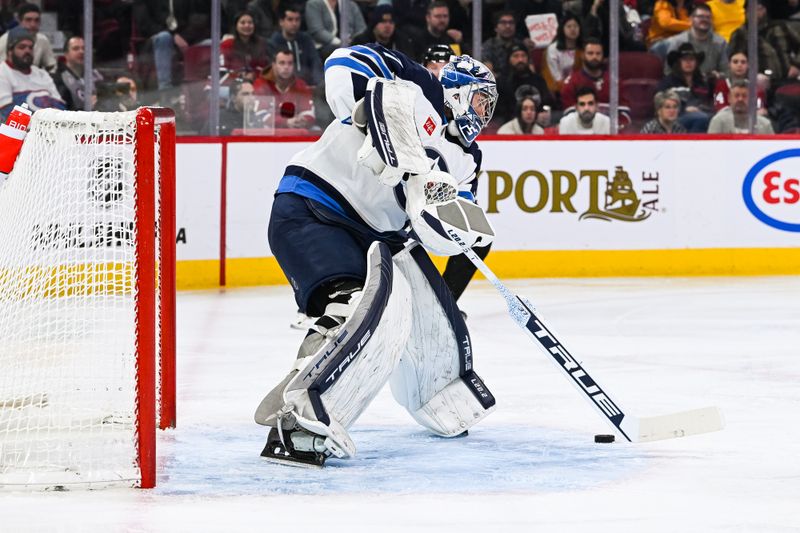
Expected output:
(683, 63)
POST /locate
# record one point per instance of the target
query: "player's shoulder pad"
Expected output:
(405, 68)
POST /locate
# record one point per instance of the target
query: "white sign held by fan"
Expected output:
(542, 28)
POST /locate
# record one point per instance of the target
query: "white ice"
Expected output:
(657, 345)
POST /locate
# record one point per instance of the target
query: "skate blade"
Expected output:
(291, 462)
(275, 453)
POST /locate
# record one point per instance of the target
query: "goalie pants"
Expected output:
(314, 244)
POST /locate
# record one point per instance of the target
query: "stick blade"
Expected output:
(680, 424)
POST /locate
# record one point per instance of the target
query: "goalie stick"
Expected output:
(633, 428)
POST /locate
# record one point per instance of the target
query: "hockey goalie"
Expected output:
(353, 219)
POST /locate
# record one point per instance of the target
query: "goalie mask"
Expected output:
(470, 92)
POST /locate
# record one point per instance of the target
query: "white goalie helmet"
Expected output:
(470, 92)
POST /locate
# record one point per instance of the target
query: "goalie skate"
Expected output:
(300, 449)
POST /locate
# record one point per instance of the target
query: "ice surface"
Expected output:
(658, 346)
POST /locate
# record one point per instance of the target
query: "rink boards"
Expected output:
(560, 207)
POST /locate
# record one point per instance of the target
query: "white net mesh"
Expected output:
(437, 192)
(67, 295)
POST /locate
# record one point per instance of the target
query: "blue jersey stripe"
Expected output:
(349, 63)
(375, 57)
(301, 187)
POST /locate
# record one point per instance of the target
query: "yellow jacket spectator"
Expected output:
(727, 16)
(670, 17)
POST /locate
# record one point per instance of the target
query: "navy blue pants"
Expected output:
(315, 245)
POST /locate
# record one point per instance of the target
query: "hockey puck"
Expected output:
(604, 438)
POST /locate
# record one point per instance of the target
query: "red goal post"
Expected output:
(87, 299)
(149, 121)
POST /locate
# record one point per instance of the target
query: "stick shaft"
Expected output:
(524, 314)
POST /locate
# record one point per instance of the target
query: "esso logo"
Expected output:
(771, 190)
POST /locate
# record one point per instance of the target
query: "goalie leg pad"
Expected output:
(435, 380)
(328, 390)
(455, 408)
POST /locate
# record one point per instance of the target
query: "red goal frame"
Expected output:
(151, 277)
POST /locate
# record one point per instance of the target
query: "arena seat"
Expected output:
(197, 63)
(640, 65)
(638, 93)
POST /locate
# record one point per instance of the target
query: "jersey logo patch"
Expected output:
(429, 126)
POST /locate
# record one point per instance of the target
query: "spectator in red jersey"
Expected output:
(738, 66)
(293, 98)
(246, 54)
(593, 73)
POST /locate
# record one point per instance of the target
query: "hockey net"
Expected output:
(87, 299)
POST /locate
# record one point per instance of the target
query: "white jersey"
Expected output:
(35, 89)
(333, 158)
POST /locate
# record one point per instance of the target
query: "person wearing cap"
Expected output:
(520, 73)
(21, 82)
(30, 18)
(688, 81)
(497, 49)
(382, 29)
(703, 39)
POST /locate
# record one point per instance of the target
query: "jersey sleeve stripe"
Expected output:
(351, 64)
(391, 56)
(370, 63)
(376, 58)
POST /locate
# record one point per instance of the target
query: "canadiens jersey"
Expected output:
(328, 171)
(35, 89)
